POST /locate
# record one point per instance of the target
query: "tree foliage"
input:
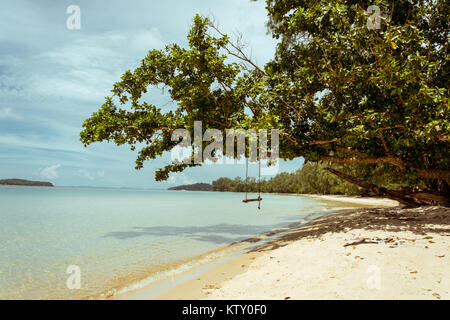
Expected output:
(202, 84)
(339, 91)
(313, 179)
(355, 95)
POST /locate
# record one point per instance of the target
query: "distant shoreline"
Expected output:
(26, 183)
(331, 197)
(362, 200)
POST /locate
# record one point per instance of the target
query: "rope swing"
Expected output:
(259, 184)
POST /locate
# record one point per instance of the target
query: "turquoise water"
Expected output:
(121, 237)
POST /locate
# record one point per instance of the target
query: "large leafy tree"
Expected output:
(202, 84)
(353, 94)
(338, 91)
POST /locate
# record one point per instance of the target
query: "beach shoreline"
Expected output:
(192, 286)
(368, 253)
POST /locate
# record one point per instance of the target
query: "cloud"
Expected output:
(85, 174)
(49, 172)
(54, 78)
(145, 40)
(7, 113)
(179, 178)
(38, 142)
(87, 67)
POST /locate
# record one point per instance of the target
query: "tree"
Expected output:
(339, 91)
(313, 179)
(351, 94)
(202, 84)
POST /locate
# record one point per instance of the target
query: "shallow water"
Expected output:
(118, 237)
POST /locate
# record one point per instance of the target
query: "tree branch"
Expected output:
(391, 194)
(160, 128)
(424, 173)
(325, 141)
(386, 149)
(351, 151)
(240, 53)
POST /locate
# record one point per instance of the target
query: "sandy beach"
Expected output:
(359, 253)
(342, 256)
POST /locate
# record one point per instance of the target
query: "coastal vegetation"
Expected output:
(338, 91)
(310, 179)
(313, 179)
(194, 187)
(22, 182)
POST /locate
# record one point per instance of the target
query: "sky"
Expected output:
(53, 77)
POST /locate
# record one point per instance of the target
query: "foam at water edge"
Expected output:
(164, 275)
(197, 261)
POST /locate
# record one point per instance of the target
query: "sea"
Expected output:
(92, 243)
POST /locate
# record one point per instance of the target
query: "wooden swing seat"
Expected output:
(251, 200)
(259, 185)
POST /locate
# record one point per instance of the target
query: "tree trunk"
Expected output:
(409, 199)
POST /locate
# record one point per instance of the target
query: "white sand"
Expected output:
(410, 266)
(381, 202)
(410, 259)
(324, 269)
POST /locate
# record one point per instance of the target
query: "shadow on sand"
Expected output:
(418, 220)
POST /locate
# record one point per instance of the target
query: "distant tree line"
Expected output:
(312, 179)
(193, 187)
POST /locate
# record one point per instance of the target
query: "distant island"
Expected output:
(194, 187)
(21, 182)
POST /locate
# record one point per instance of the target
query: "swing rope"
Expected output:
(246, 178)
(259, 184)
